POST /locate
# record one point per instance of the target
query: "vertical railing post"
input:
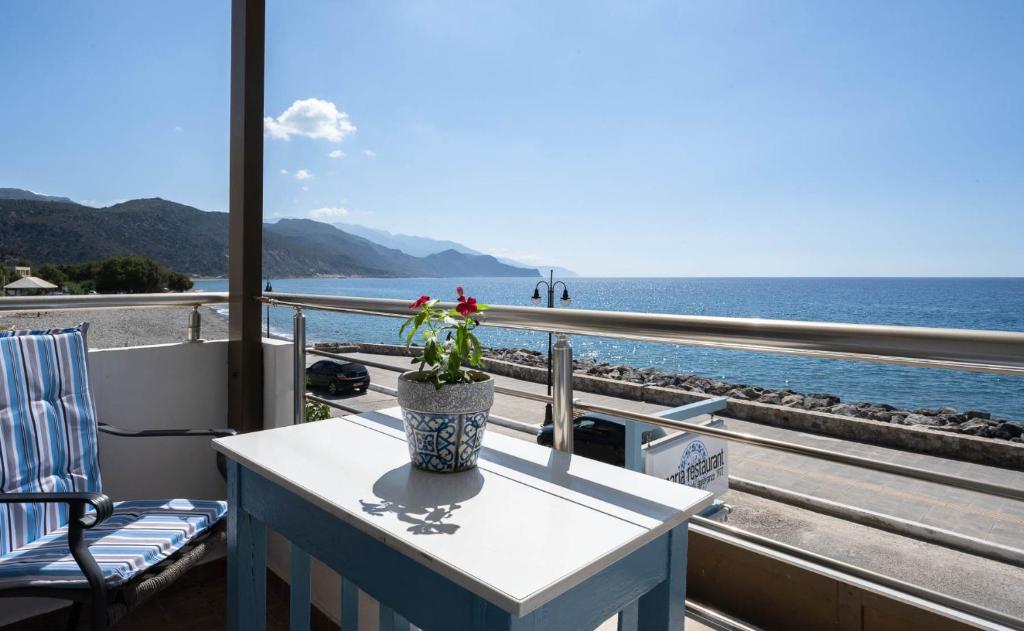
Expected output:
(194, 332)
(299, 358)
(562, 408)
(299, 600)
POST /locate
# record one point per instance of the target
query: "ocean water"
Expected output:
(970, 303)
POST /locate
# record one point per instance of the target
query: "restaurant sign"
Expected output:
(697, 461)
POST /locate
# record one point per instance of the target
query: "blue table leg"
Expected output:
(628, 617)
(247, 562)
(664, 607)
(391, 621)
(349, 606)
(299, 604)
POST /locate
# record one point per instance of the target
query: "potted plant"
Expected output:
(445, 403)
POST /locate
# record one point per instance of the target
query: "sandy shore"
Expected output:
(116, 328)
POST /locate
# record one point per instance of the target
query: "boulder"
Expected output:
(736, 393)
(976, 427)
(829, 399)
(977, 414)
(818, 402)
(771, 398)
(883, 416)
(922, 419)
(1007, 431)
(793, 400)
(844, 409)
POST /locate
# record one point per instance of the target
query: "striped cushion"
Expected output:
(137, 536)
(47, 428)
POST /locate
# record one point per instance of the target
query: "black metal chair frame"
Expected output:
(110, 605)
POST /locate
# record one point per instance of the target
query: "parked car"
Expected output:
(599, 437)
(338, 377)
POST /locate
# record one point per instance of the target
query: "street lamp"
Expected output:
(550, 284)
(269, 288)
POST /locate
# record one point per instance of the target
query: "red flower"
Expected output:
(466, 306)
(422, 300)
(458, 290)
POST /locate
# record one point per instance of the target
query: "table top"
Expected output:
(525, 526)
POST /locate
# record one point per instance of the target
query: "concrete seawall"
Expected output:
(986, 451)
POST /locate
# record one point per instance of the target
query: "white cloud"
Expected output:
(330, 214)
(369, 153)
(312, 118)
(303, 174)
(337, 153)
(284, 171)
(305, 188)
(178, 129)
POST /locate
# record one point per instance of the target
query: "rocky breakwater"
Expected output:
(946, 419)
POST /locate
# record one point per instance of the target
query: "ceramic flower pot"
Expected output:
(445, 427)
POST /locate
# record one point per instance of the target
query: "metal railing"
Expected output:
(996, 352)
(564, 403)
(1000, 352)
(984, 351)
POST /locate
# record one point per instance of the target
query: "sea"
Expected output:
(969, 303)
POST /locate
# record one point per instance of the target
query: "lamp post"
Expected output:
(550, 284)
(269, 288)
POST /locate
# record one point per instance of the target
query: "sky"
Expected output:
(644, 138)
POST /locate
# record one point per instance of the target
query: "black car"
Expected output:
(338, 376)
(599, 437)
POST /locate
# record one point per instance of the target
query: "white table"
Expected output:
(531, 539)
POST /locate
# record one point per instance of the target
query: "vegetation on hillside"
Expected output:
(117, 274)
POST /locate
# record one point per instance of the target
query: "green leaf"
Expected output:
(478, 351)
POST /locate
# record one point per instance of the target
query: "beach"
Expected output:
(121, 327)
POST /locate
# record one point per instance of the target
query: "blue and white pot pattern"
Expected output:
(445, 443)
(444, 428)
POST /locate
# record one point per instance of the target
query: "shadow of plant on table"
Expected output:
(437, 498)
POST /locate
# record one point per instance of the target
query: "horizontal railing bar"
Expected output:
(702, 525)
(813, 452)
(999, 352)
(106, 301)
(515, 392)
(333, 404)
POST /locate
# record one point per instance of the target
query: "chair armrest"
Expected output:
(101, 504)
(78, 522)
(155, 433)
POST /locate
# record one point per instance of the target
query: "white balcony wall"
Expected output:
(172, 386)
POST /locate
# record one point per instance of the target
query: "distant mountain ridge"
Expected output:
(21, 193)
(425, 246)
(195, 242)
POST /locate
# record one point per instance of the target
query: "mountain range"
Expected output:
(423, 246)
(44, 229)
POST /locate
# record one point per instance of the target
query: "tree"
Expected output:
(176, 281)
(53, 273)
(82, 272)
(129, 274)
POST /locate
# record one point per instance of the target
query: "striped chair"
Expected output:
(60, 537)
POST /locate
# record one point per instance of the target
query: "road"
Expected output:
(989, 583)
